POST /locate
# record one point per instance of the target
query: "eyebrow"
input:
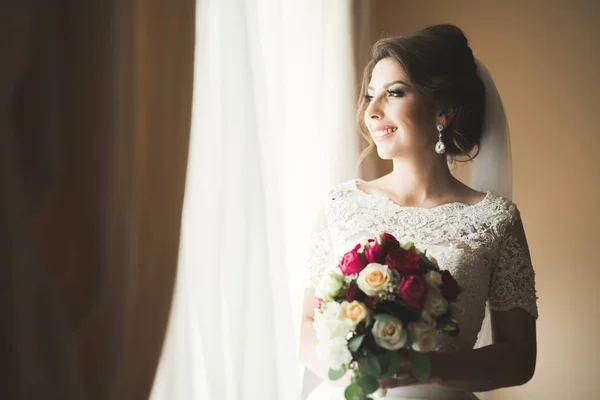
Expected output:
(387, 85)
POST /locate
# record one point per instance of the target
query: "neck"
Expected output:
(421, 181)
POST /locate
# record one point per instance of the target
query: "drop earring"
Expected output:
(440, 147)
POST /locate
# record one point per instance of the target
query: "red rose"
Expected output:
(404, 261)
(412, 291)
(375, 252)
(354, 293)
(449, 286)
(353, 262)
(389, 242)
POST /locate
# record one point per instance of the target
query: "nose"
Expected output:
(374, 110)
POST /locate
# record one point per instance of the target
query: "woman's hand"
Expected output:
(401, 379)
(404, 377)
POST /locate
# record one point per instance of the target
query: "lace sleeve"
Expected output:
(513, 279)
(320, 252)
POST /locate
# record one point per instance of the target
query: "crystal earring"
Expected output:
(440, 147)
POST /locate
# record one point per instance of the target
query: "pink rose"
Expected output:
(353, 262)
(375, 252)
(404, 261)
(412, 291)
(319, 302)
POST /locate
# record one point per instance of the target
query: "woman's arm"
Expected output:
(510, 361)
(307, 349)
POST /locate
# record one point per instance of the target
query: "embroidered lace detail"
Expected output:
(483, 245)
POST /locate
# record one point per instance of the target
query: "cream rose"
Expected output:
(390, 334)
(428, 320)
(423, 336)
(435, 304)
(373, 279)
(433, 279)
(355, 311)
(330, 284)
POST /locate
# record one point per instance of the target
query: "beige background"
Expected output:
(544, 58)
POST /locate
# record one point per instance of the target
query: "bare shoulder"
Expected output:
(471, 196)
(463, 193)
(375, 186)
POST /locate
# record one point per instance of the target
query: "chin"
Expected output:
(387, 154)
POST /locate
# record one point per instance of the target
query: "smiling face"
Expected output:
(399, 120)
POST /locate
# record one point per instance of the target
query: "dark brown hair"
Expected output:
(440, 66)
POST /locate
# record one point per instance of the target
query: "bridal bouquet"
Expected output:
(383, 296)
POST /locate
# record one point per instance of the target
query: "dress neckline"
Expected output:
(454, 204)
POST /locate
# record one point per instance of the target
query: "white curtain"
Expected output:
(272, 129)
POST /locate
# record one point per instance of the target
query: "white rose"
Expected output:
(435, 304)
(348, 279)
(389, 335)
(433, 279)
(335, 352)
(330, 322)
(374, 279)
(428, 320)
(355, 311)
(330, 284)
(423, 336)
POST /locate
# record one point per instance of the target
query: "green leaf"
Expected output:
(368, 383)
(393, 366)
(407, 246)
(421, 365)
(355, 342)
(384, 361)
(370, 346)
(335, 374)
(354, 392)
(399, 310)
(451, 328)
(385, 318)
(369, 319)
(369, 365)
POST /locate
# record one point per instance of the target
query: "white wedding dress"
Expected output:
(483, 245)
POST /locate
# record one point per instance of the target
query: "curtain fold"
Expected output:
(162, 83)
(364, 37)
(95, 112)
(273, 129)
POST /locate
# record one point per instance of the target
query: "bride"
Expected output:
(425, 100)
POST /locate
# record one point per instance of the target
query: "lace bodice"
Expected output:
(482, 245)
